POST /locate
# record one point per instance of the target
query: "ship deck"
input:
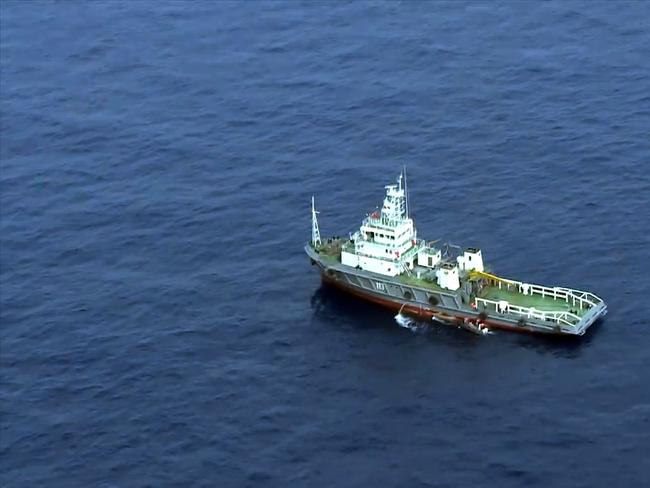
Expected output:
(331, 253)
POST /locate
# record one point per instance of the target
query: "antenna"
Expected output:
(406, 193)
(315, 232)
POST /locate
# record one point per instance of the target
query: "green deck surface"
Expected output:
(330, 258)
(546, 303)
(412, 280)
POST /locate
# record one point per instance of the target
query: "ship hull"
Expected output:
(456, 318)
(442, 305)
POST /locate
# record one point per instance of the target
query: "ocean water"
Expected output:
(161, 325)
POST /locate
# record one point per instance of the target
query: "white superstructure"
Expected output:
(471, 260)
(448, 276)
(387, 241)
(387, 244)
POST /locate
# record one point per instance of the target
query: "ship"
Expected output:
(385, 262)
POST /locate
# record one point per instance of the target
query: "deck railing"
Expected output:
(559, 316)
(574, 297)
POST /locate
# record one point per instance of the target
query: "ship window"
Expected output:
(430, 261)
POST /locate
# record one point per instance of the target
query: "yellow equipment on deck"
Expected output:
(474, 275)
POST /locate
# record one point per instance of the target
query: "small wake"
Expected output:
(407, 322)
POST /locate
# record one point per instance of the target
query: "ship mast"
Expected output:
(406, 194)
(315, 232)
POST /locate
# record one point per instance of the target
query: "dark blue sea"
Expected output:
(161, 325)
